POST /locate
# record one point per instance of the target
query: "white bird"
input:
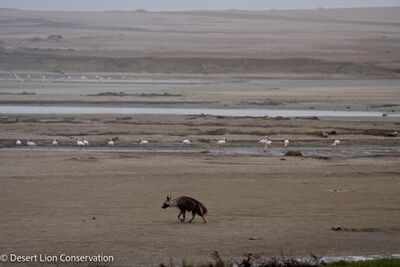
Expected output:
(85, 142)
(266, 142)
(80, 143)
(30, 144)
(55, 142)
(187, 141)
(221, 141)
(143, 141)
(18, 142)
(285, 143)
(335, 143)
(110, 142)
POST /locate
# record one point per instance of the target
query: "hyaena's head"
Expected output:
(167, 203)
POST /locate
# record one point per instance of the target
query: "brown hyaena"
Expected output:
(186, 204)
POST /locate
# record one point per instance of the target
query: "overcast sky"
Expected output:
(168, 5)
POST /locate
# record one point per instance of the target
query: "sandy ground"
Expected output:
(256, 204)
(212, 91)
(364, 34)
(346, 41)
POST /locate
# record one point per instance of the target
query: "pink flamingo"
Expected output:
(266, 142)
(30, 143)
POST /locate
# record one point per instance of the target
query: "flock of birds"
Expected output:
(266, 142)
(44, 78)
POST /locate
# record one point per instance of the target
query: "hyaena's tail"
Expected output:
(203, 209)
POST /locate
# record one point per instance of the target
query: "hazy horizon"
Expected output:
(181, 5)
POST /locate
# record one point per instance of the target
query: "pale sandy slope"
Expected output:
(344, 35)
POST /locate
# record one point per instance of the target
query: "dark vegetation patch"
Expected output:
(8, 119)
(124, 118)
(266, 102)
(293, 153)
(321, 157)
(157, 94)
(23, 93)
(90, 158)
(355, 230)
(314, 118)
(251, 260)
(55, 38)
(385, 106)
(280, 118)
(121, 94)
(110, 94)
(381, 132)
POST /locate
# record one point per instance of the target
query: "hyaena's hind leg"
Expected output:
(202, 216)
(194, 215)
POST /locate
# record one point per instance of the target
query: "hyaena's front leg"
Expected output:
(183, 216)
(179, 216)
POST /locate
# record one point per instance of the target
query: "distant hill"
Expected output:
(356, 41)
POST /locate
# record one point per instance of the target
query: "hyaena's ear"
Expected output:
(169, 198)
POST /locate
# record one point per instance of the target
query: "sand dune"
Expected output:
(345, 41)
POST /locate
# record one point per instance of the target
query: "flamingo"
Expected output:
(266, 142)
(85, 142)
(143, 142)
(55, 142)
(221, 142)
(30, 144)
(80, 143)
(18, 142)
(187, 142)
(110, 142)
(285, 143)
(335, 143)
